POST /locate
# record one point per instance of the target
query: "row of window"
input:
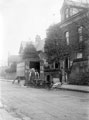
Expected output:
(80, 30)
(71, 11)
(55, 64)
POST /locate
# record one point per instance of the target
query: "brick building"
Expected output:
(75, 26)
(75, 35)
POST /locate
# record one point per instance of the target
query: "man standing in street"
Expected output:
(60, 76)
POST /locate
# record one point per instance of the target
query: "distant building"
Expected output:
(39, 43)
(23, 45)
(13, 59)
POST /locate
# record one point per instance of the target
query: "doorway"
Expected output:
(48, 78)
(35, 65)
(66, 63)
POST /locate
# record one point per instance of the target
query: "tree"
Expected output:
(12, 68)
(30, 52)
(55, 46)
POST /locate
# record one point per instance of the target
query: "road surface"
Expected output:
(42, 104)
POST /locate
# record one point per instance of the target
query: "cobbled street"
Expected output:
(42, 104)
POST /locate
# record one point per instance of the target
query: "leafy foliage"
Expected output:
(79, 78)
(54, 47)
(30, 52)
(55, 43)
(12, 68)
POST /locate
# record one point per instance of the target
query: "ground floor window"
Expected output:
(66, 63)
(57, 65)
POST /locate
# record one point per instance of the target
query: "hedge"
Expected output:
(79, 78)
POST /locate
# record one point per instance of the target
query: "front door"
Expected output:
(66, 63)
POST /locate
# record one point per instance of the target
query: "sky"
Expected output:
(22, 20)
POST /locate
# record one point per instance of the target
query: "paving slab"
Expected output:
(4, 115)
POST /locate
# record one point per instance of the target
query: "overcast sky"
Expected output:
(21, 20)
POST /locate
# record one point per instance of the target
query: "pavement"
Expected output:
(4, 115)
(77, 88)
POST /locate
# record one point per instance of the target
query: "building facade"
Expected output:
(75, 27)
(75, 35)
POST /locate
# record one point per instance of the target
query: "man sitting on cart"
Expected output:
(37, 78)
(36, 74)
(32, 76)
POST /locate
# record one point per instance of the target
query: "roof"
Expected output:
(71, 3)
(23, 45)
(82, 11)
(76, 4)
(74, 18)
(33, 59)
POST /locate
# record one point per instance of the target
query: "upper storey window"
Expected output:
(67, 37)
(80, 30)
(73, 11)
(67, 13)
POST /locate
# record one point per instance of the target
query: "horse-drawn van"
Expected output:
(24, 70)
